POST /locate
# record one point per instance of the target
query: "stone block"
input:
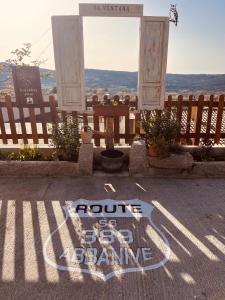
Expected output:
(38, 168)
(138, 164)
(209, 169)
(174, 161)
(85, 159)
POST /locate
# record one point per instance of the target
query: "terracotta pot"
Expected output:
(152, 151)
(86, 136)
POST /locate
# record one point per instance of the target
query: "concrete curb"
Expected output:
(198, 170)
(65, 168)
(139, 167)
(209, 169)
(38, 168)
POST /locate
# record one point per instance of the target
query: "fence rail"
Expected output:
(203, 118)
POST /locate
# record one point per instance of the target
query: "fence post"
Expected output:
(2, 126)
(23, 125)
(96, 121)
(209, 117)
(116, 124)
(136, 102)
(11, 119)
(33, 126)
(44, 126)
(199, 119)
(94, 100)
(85, 119)
(188, 127)
(127, 99)
(96, 129)
(219, 119)
(179, 112)
(179, 108)
(137, 123)
(168, 105)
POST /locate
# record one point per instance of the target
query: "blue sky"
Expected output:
(197, 45)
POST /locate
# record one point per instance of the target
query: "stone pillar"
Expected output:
(85, 159)
(138, 158)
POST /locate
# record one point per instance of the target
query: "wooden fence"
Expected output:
(203, 118)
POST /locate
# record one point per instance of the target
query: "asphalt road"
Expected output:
(37, 258)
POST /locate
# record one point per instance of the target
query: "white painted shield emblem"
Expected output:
(107, 238)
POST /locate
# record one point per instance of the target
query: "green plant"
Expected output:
(65, 138)
(205, 151)
(28, 153)
(161, 129)
(20, 57)
(162, 147)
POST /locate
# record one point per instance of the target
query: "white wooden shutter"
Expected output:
(69, 62)
(152, 62)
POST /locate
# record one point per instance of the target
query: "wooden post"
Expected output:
(179, 114)
(117, 130)
(53, 109)
(219, 119)
(199, 119)
(85, 122)
(23, 125)
(127, 99)
(109, 133)
(127, 129)
(179, 108)
(11, 119)
(94, 100)
(44, 127)
(33, 126)
(2, 126)
(188, 127)
(97, 129)
(209, 118)
(137, 123)
(169, 103)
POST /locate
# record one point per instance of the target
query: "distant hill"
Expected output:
(176, 83)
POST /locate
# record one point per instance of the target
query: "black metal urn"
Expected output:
(112, 160)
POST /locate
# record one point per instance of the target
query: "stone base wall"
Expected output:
(38, 168)
(140, 164)
(175, 166)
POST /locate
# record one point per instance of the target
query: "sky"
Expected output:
(196, 46)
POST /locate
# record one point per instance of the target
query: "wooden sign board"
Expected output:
(110, 10)
(27, 86)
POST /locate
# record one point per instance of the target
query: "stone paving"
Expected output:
(189, 213)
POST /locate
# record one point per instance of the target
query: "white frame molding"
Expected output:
(154, 34)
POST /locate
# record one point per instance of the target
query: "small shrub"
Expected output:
(65, 138)
(204, 153)
(162, 147)
(161, 129)
(28, 153)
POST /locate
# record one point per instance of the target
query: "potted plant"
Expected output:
(161, 131)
